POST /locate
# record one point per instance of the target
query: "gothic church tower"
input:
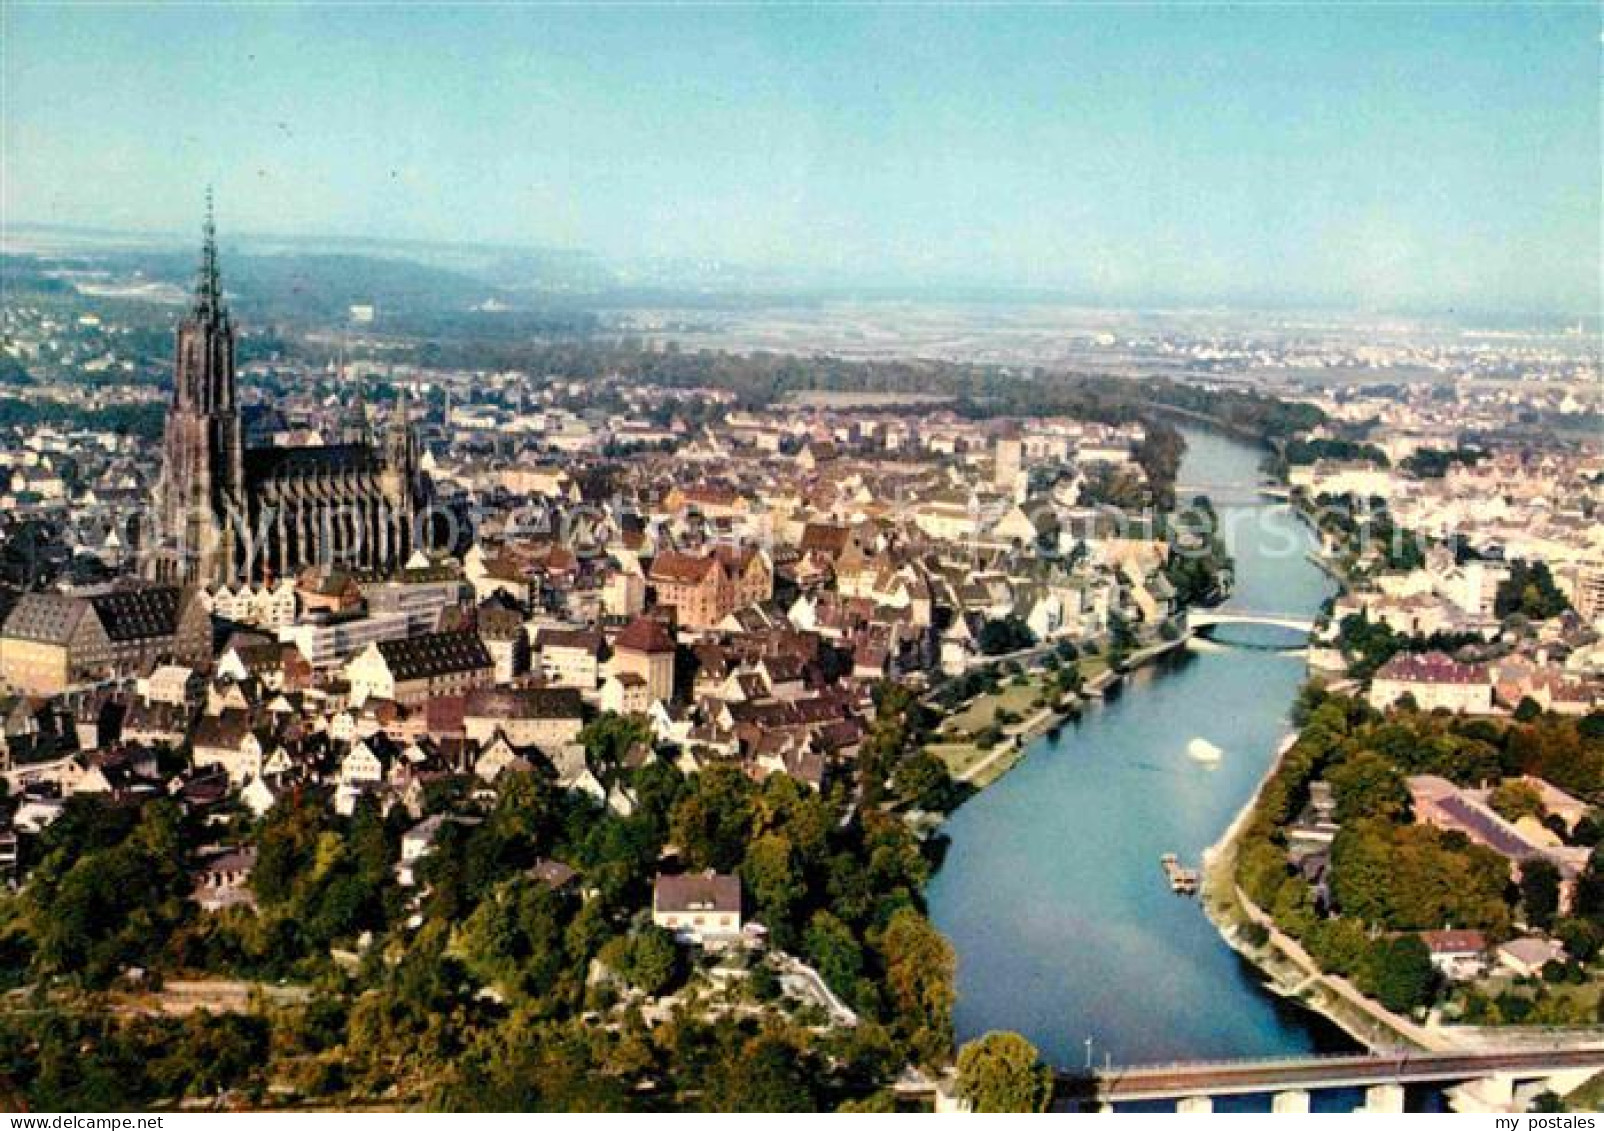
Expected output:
(200, 497)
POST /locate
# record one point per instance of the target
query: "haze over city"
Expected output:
(1416, 157)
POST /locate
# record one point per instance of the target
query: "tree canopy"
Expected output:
(1002, 1072)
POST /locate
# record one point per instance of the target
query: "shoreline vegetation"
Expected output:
(1287, 969)
(1366, 969)
(979, 767)
(1285, 965)
(1369, 975)
(1288, 972)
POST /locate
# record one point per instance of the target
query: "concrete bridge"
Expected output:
(1479, 1081)
(1201, 619)
(1233, 496)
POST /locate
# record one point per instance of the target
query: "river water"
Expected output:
(1051, 890)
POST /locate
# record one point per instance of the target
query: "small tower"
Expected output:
(400, 442)
(401, 480)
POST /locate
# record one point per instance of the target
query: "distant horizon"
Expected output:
(774, 287)
(1429, 157)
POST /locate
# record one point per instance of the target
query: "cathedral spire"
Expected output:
(208, 284)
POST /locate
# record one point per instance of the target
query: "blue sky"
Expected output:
(1355, 157)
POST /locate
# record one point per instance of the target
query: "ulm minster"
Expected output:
(226, 514)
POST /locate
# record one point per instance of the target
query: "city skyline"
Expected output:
(1400, 158)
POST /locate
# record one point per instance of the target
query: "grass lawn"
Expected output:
(998, 768)
(953, 744)
(1567, 1004)
(960, 757)
(957, 756)
(979, 714)
(1093, 666)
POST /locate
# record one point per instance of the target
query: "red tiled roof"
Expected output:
(1454, 942)
(676, 567)
(443, 714)
(820, 536)
(1432, 667)
(644, 634)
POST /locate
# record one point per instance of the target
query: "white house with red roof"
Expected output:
(1433, 680)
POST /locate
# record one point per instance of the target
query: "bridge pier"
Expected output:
(1295, 1102)
(1195, 1105)
(1560, 1083)
(949, 1102)
(1484, 1094)
(1384, 1099)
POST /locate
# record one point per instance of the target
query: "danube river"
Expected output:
(1051, 890)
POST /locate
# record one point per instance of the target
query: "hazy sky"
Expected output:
(1369, 157)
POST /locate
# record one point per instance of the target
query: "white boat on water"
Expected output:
(1202, 750)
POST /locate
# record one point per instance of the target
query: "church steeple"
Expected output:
(204, 373)
(201, 492)
(208, 281)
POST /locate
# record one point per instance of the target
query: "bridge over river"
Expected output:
(1235, 496)
(1483, 1080)
(1201, 623)
(1201, 619)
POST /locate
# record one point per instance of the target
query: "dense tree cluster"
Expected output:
(1367, 644)
(1365, 528)
(1247, 412)
(1004, 635)
(1529, 591)
(144, 420)
(1416, 877)
(1003, 1072)
(108, 889)
(1429, 463)
(1116, 486)
(13, 372)
(1387, 877)
(54, 1060)
(1159, 456)
(1199, 565)
(438, 990)
(1302, 451)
